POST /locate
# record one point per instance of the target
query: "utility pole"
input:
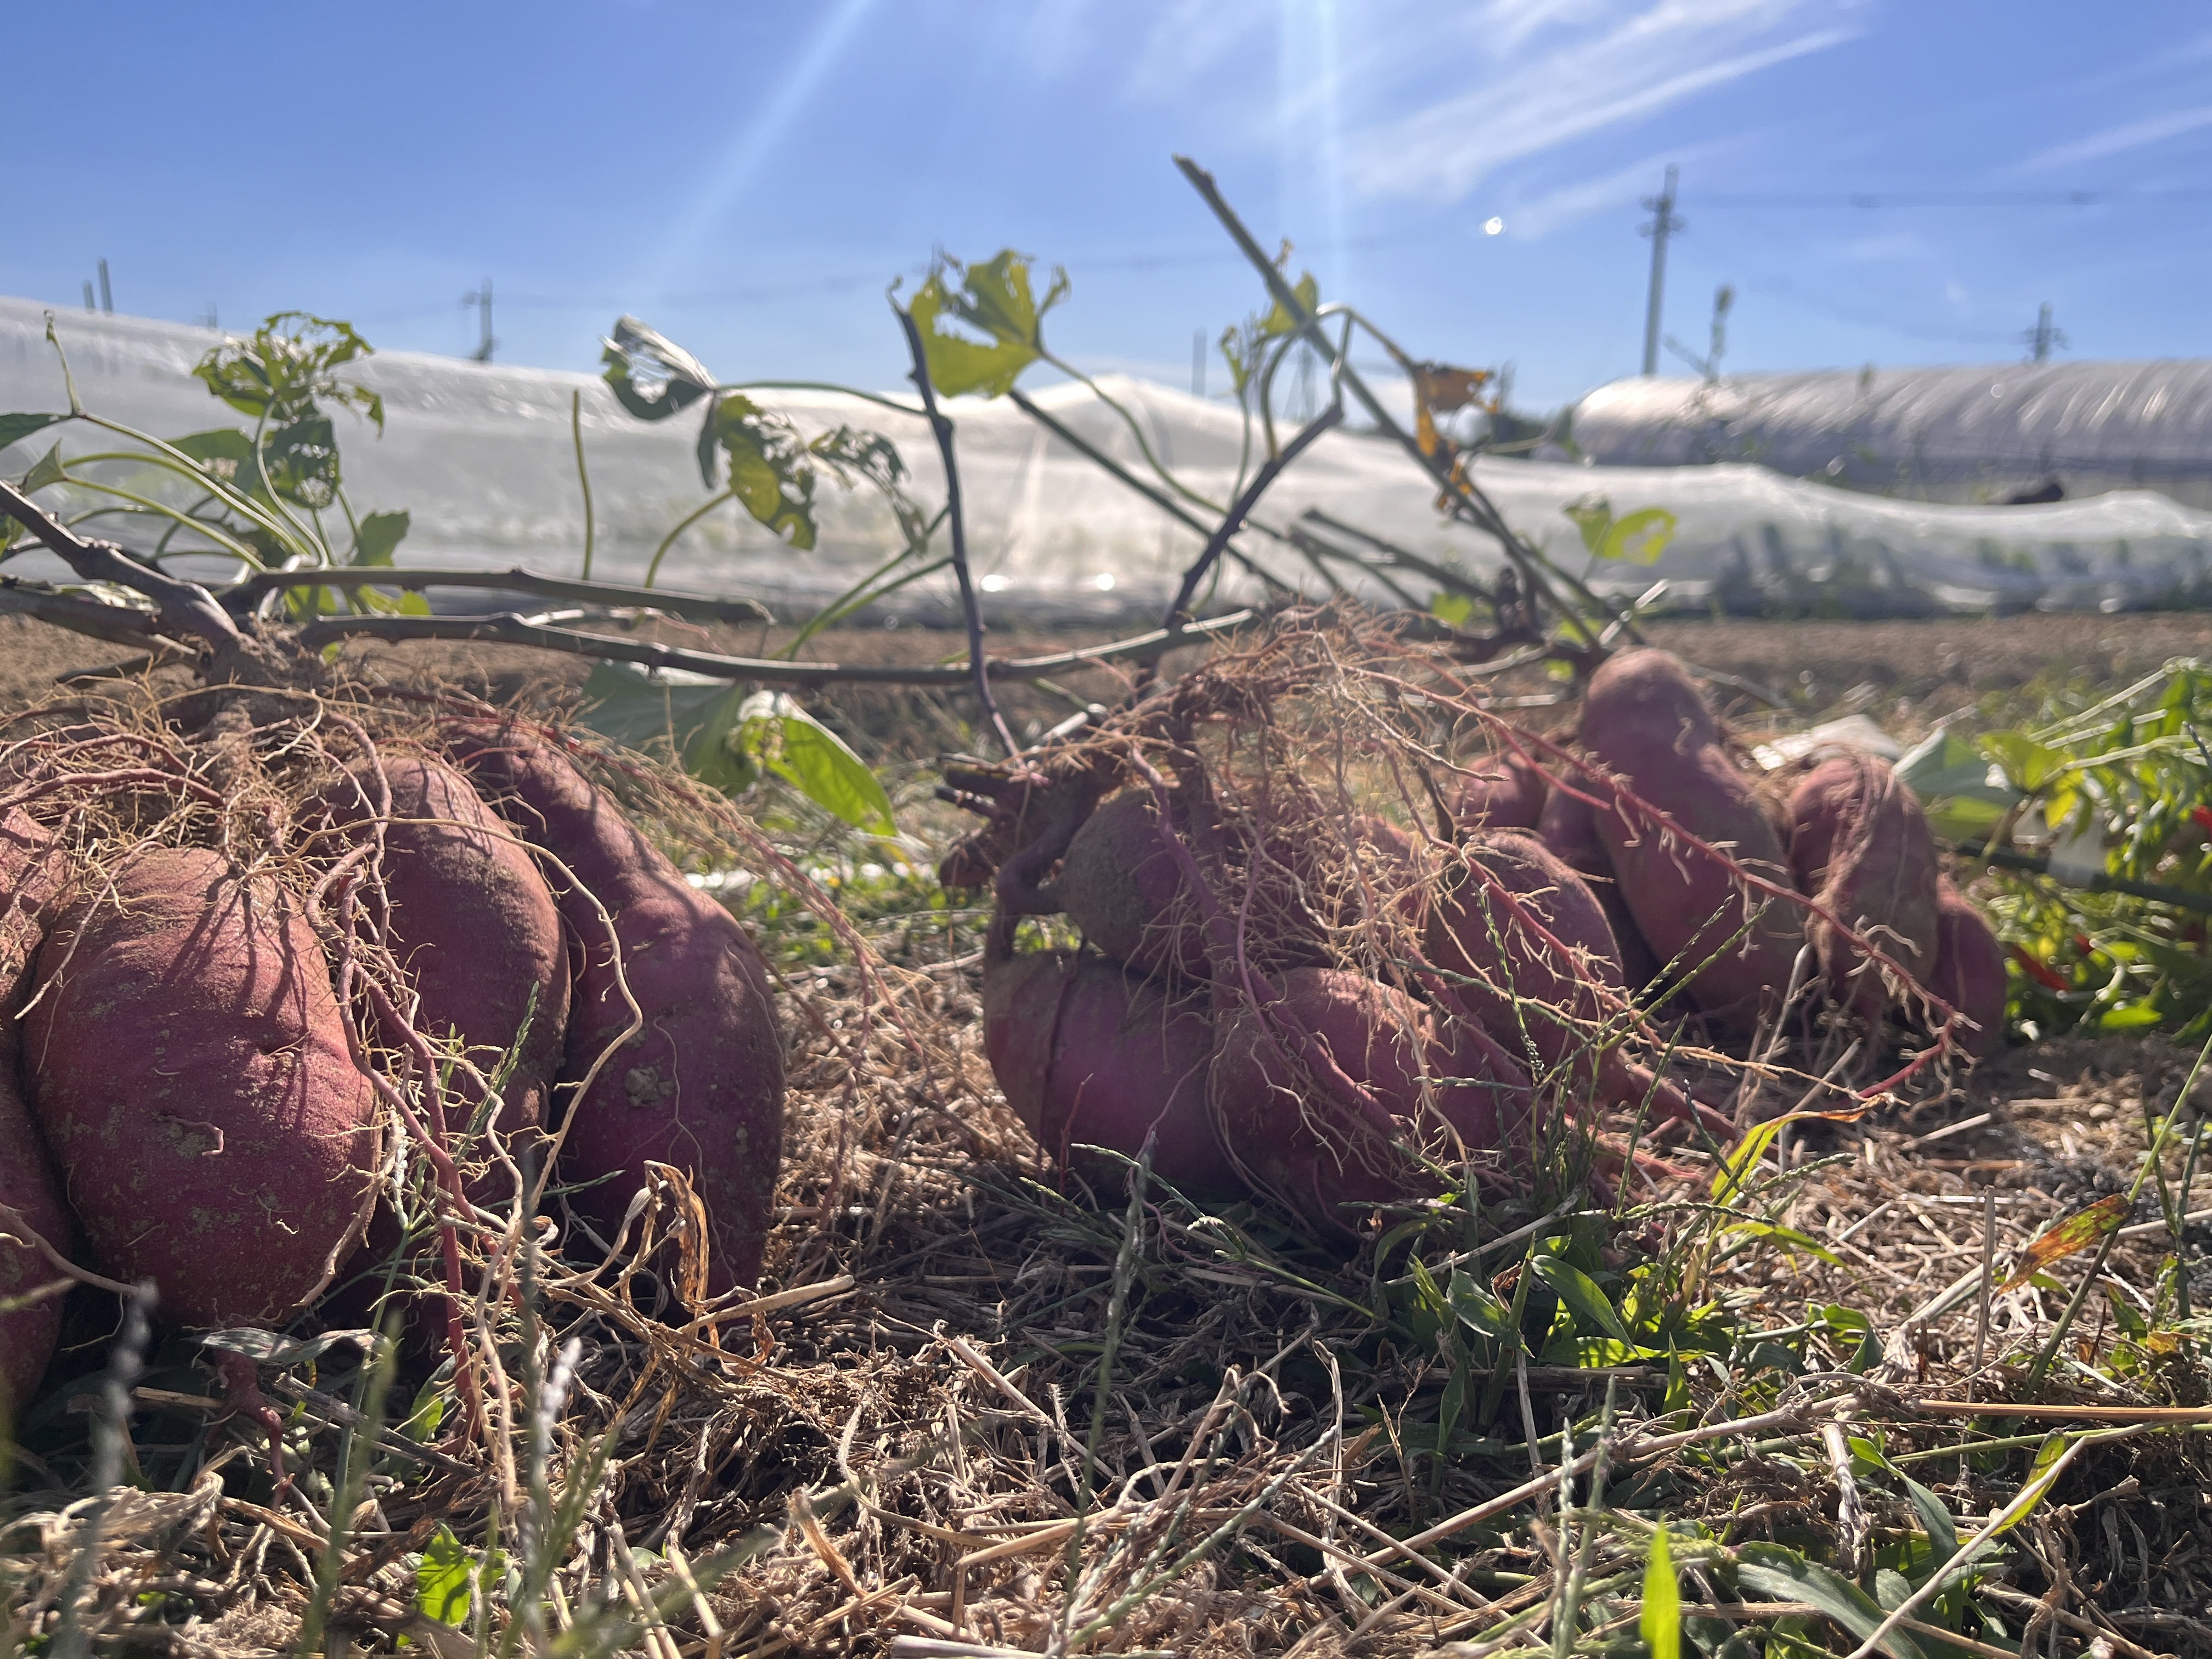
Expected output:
(482, 301)
(1197, 363)
(2043, 336)
(107, 294)
(1663, 224)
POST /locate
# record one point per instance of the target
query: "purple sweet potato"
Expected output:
(700, 1086)
(472, 922)
(1329, 1152)
(1528, 953)
(1503, 793)
(1569, 828)
(1859, 845)
(1090, 1052)
(1970, 969)
(1122, 887)
(32, 871)
(188, 1063)
(1646, 722)
(27, 1188)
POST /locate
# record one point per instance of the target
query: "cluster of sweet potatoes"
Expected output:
(210, 1052)
(1298, 1000)
(1886, 927)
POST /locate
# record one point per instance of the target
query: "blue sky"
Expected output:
(749, 176)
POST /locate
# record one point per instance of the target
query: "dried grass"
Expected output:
(979, 1407)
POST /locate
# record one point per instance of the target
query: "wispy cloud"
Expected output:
(1660, 57)
(1188, 39)
(2114, 140)
(1540, 215)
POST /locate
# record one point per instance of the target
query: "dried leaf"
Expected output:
(2077, 1232)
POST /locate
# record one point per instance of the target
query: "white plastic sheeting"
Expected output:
(1971, 434)
(481, 457)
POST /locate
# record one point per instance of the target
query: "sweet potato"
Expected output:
(1122, 889)
(1970, 969)
(33, 872)
(1529, 952)
(1644, 721)
(1088, 1052)
(1569, 828)
(1503, 793)
(1859, 845)
(1129, 894)
(700, 1085)
(473, 923)
(27, 1188)
(1331, 1153)
(188, 1063)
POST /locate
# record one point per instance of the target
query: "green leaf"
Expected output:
(785, 740)
(1452, 610)
(1477, 1305)
(1775, 1574)
(286, 366)
(713, 753)
(1581, 1294)
(1935, 1517)
(48, 469)
(225, 455)
(1305, 290)
(445, 1579)
(2029, 764)
(1640, 538)
(378, 536)
(994, 301)
(771, 472)
(727, 740)
(1951, 777)
(422, 1423)
(1787, 1237)
(1660, 1621)
(647, 711)
(649, 373)
(1593, 517)
(2135, 1016)
(1729, 1183)
(14, 428)
(301, 461)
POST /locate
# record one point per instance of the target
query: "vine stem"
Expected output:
(583, 476)
(653, 566)
(1233, 519)
(1532, 566)
(184, 607)
(1157, 496)
(941, 426)
(700, 607)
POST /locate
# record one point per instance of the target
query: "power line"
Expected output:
(1976, 198)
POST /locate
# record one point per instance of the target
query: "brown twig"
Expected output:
(699, 607)
(513, 630)
(184, 608)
